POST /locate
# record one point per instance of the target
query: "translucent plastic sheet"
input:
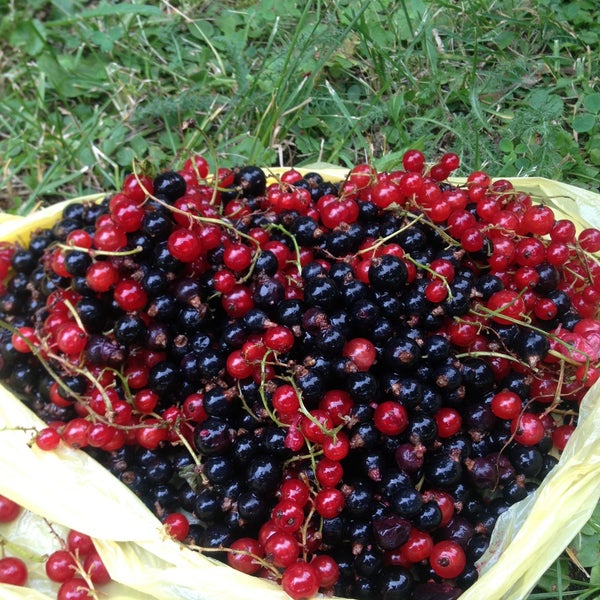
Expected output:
(70, 490)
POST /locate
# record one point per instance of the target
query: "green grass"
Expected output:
(88, 88)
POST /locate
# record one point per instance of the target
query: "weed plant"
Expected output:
(87, 88)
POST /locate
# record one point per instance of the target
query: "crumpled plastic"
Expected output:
(66, 488)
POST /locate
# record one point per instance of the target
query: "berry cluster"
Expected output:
(337, 386)
(76, 566)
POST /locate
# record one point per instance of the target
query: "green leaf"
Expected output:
(125, 156)
(589, 37)
(392, 160)
(201, 29)
(105, 40)
(538, 99)
(549, 105)
(584, 123)
(506, 145)
(587, 549)
(505, 39)
(591, 102)
(30, 36)
(109, 10)
(58, 78)
(521, 148)
(139, 145)
(523, 164)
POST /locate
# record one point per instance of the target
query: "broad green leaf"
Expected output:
(139, 145)
(587, 549)
(584, 123)
(538, 99)
(549, 105)
(57, 76)
(125, 156)
(105, 40)
(589, 37)
(29, 36)
(591, 102)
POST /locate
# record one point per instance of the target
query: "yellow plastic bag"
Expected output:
(68, 489)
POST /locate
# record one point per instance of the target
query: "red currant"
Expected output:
(237, 257)
(80, 543)
(185, 245)
(449, 422)
(300, 580)
(561, 435)
(60, 566)
(245, 556)
(589, 239)
(9, 510)
(528, 430)
(177, 525)
(447, 559)
(329, 472)
(294, 490)
(414, 161)
(75, 588)
(279, 339)
(71, 339)
(506, 405)
(287, 516)
(418, 546)
(336, 447)
(506, 303)
(362, 353)
(13, 571)
(101, 276)
(47, 439)
(327, 570)
(130, 295)
(95, 568)
(390, 417)
(282, 548)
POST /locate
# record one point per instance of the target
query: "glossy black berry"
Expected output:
(396, 583)
(212, 436)
(252, 181)
(443, 471)
(169, 186)
(388, 273)
(264, 474)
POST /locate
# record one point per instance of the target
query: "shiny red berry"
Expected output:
(447, 559)
(390, 417)
(13, 571)
(245, 556)
(9, 510)
(300, 580)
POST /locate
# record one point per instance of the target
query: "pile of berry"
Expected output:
(337, 386)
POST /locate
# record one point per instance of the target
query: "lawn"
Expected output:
(90, 89)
